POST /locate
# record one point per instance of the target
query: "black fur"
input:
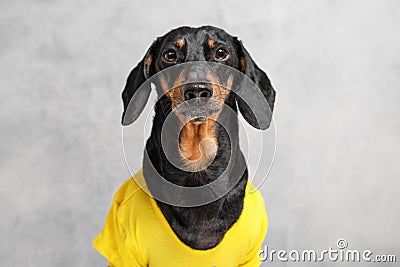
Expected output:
(200, 227)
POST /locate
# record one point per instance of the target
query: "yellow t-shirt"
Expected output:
(136, 233)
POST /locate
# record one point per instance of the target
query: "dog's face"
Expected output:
(197, 94)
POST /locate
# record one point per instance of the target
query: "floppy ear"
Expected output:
(135, 100)
(258, 106)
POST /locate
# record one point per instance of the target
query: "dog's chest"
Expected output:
(203, 227)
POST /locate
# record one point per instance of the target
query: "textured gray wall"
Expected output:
(334, 64)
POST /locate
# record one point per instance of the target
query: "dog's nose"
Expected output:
(196, 90)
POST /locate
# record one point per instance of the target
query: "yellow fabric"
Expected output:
(136, 233)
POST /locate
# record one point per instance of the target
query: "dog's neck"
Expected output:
(204, 226)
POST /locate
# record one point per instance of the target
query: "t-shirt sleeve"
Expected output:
(251, 258)
(113, 242)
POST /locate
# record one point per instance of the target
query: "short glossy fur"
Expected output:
(201, 227)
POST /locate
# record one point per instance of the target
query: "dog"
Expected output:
(196, 99)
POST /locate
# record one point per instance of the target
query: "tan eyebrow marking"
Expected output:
(180, 43)
(211, 43)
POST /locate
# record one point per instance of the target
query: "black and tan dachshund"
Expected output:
(201, 227)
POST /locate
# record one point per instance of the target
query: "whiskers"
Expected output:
(165, 105)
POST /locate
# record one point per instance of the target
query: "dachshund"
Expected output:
(204, 110)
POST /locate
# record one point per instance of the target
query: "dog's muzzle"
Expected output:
(198, 103)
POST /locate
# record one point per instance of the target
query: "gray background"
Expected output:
(334, 64)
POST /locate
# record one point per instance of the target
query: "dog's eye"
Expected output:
(170, 55)
(221, 54)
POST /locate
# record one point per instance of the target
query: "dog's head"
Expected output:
(196, 94)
